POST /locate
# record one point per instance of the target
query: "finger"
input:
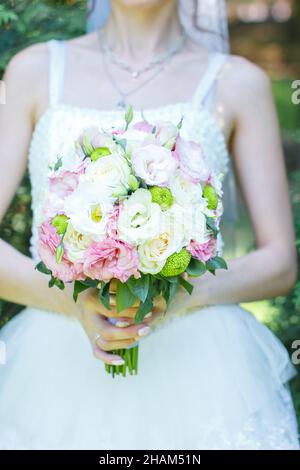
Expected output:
(111, 333)
(111, 345)
(93, 305)
(107, 358)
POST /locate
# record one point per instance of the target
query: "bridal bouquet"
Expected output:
(138, 206)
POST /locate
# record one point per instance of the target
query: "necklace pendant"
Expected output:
(135, 74)
(121, 105)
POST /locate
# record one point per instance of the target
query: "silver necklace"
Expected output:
(135, 73)
(124, 95)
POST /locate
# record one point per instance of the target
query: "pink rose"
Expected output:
(47, 244)
(192, 161)
(154, 164)
(203, 251)
(109, 259)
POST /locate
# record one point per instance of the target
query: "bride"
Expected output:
(210, 375)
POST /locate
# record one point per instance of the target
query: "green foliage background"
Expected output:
(25, 22)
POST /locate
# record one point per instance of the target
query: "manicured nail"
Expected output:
(148, 315)
(144, 331)
(118, 362)
(122, 324)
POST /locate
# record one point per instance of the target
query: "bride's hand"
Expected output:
(103, 335)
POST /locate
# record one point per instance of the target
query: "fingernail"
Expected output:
(144, 331)
(118, 362)
(122, 324)
(148, 315)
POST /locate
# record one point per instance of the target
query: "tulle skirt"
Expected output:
(213, 379)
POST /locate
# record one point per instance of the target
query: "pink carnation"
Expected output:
(203, 251)
(47, 244)
(109, 259)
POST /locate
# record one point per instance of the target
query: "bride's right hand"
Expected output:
(103, 335)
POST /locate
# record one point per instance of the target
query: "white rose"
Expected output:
(111, 173)
(139, 218)
(88, 208)
(154, 252)
(184, 190)
(76, 244)
(154, 164)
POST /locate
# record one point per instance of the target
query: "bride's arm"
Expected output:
(19, 281)
(269, 270)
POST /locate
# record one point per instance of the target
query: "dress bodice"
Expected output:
(61, 124)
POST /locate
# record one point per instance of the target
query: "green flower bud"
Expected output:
(211, 196)
(59, 253)
(162, 196)
(99, 152)
(176, 263)
(60, 222)
(133, 183)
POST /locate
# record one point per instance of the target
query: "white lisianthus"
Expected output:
(88, 208)
(154, 252)
(184, 190)
(154, 164)
(166, 133)
(196, 228)
(192, 160)
(139, 218)
(76, 244)
(136, 138)
(111, 173)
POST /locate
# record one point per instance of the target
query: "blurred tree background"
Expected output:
(265, 31)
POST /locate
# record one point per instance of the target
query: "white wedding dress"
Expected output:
(214, 378)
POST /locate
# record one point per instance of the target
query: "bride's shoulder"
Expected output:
(242, 75)
(242, 82)
(28, 67)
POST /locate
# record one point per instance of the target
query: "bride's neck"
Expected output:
(139, 33)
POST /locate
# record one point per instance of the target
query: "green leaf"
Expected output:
(58, 163)
(139, 287)
(186, 285)
(78, 288)
(42, 268)
(196, 268)
(211, 225)
(56, 282)
(173, 289)
(90, 282)
(128, 116)
(103, 295)
(124, 297)
(216, 263)
(144, 308)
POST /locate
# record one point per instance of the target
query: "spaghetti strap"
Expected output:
(204, 90)
(56, 70)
